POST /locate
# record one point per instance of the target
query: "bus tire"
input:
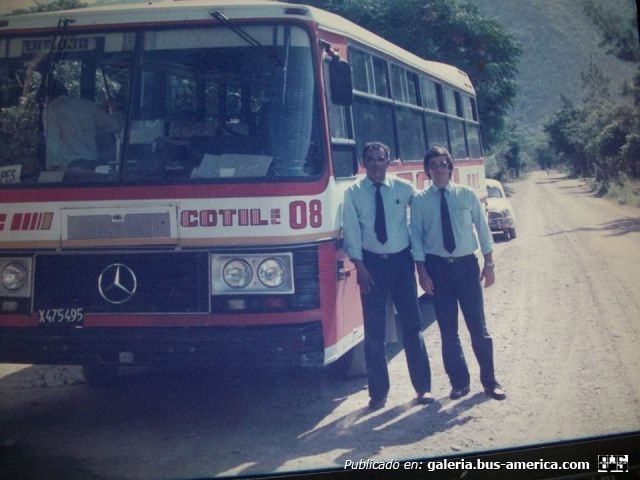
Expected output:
(99, 375)
(352, 364)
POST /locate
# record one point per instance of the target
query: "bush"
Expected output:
(625, 191)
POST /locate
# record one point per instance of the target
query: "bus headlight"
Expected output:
(14, 276)
(271, 273)
(248, 273)
(236, 273)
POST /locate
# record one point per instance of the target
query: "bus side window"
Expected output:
(340, 82)
(345, 163)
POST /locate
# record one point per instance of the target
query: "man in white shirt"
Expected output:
(376, 238)
(71, 126)
(445, 219)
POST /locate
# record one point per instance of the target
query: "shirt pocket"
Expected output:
(398, 211)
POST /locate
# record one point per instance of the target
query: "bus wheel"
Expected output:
(351, 364)
(97, 375)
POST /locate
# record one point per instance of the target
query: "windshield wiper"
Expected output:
(245, 35)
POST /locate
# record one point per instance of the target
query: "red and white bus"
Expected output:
(208, 228)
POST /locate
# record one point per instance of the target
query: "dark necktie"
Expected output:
(381, 225)
(447, 231)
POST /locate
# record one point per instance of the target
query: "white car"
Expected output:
(501, 216)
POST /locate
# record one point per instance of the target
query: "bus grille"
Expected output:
(131, 225)
(307, 279)
(165, 282)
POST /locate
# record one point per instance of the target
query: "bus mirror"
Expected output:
(340, 78)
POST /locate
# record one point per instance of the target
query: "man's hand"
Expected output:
(424, 279)
(426, 283)
(365, 279)
(488, 275)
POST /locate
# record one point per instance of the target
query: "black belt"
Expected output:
(451, 259)
(386, 256)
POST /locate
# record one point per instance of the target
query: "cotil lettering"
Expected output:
(302, 215)
(228, 217)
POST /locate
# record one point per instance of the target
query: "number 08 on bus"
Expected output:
(172, 174)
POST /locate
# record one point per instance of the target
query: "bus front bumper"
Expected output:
(280, 345)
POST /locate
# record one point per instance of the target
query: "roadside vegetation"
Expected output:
(599, 137)
(624, 190)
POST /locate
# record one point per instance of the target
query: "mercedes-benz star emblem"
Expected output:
(117, 283)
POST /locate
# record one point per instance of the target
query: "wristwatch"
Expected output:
(489, 264)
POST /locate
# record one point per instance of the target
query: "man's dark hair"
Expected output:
(375, 146)
(437, 151)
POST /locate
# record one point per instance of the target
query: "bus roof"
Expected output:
(199, 10)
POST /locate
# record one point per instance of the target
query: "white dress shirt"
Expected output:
(71, 127)
(359, 214)
(470, 227)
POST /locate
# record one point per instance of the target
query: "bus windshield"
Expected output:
(159, 106)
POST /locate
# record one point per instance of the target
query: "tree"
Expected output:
(566, 136)
(448, 32)
(620, 35)
(619, 140)
(599, 136)
(596, 117)
(52, 6)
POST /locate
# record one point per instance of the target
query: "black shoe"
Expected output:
(377, 404)
(496, 392)
(457, 393)
(425, 398)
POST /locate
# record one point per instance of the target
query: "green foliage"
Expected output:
(624, 190)
(566, 136)
(630, 153)
(620, 35)
(510, 156)
(492, 167)
(52, 6)
(20, 124)
(597, 136)
(544, 156)
(450, 32)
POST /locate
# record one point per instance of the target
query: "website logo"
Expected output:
(613, 463)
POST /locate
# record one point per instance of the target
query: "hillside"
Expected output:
(558, 42)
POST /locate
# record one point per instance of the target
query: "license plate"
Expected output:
(61, 316)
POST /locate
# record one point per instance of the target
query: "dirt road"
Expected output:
(564, 314)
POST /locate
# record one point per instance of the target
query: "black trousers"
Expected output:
(394, 274)
(457, 282)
